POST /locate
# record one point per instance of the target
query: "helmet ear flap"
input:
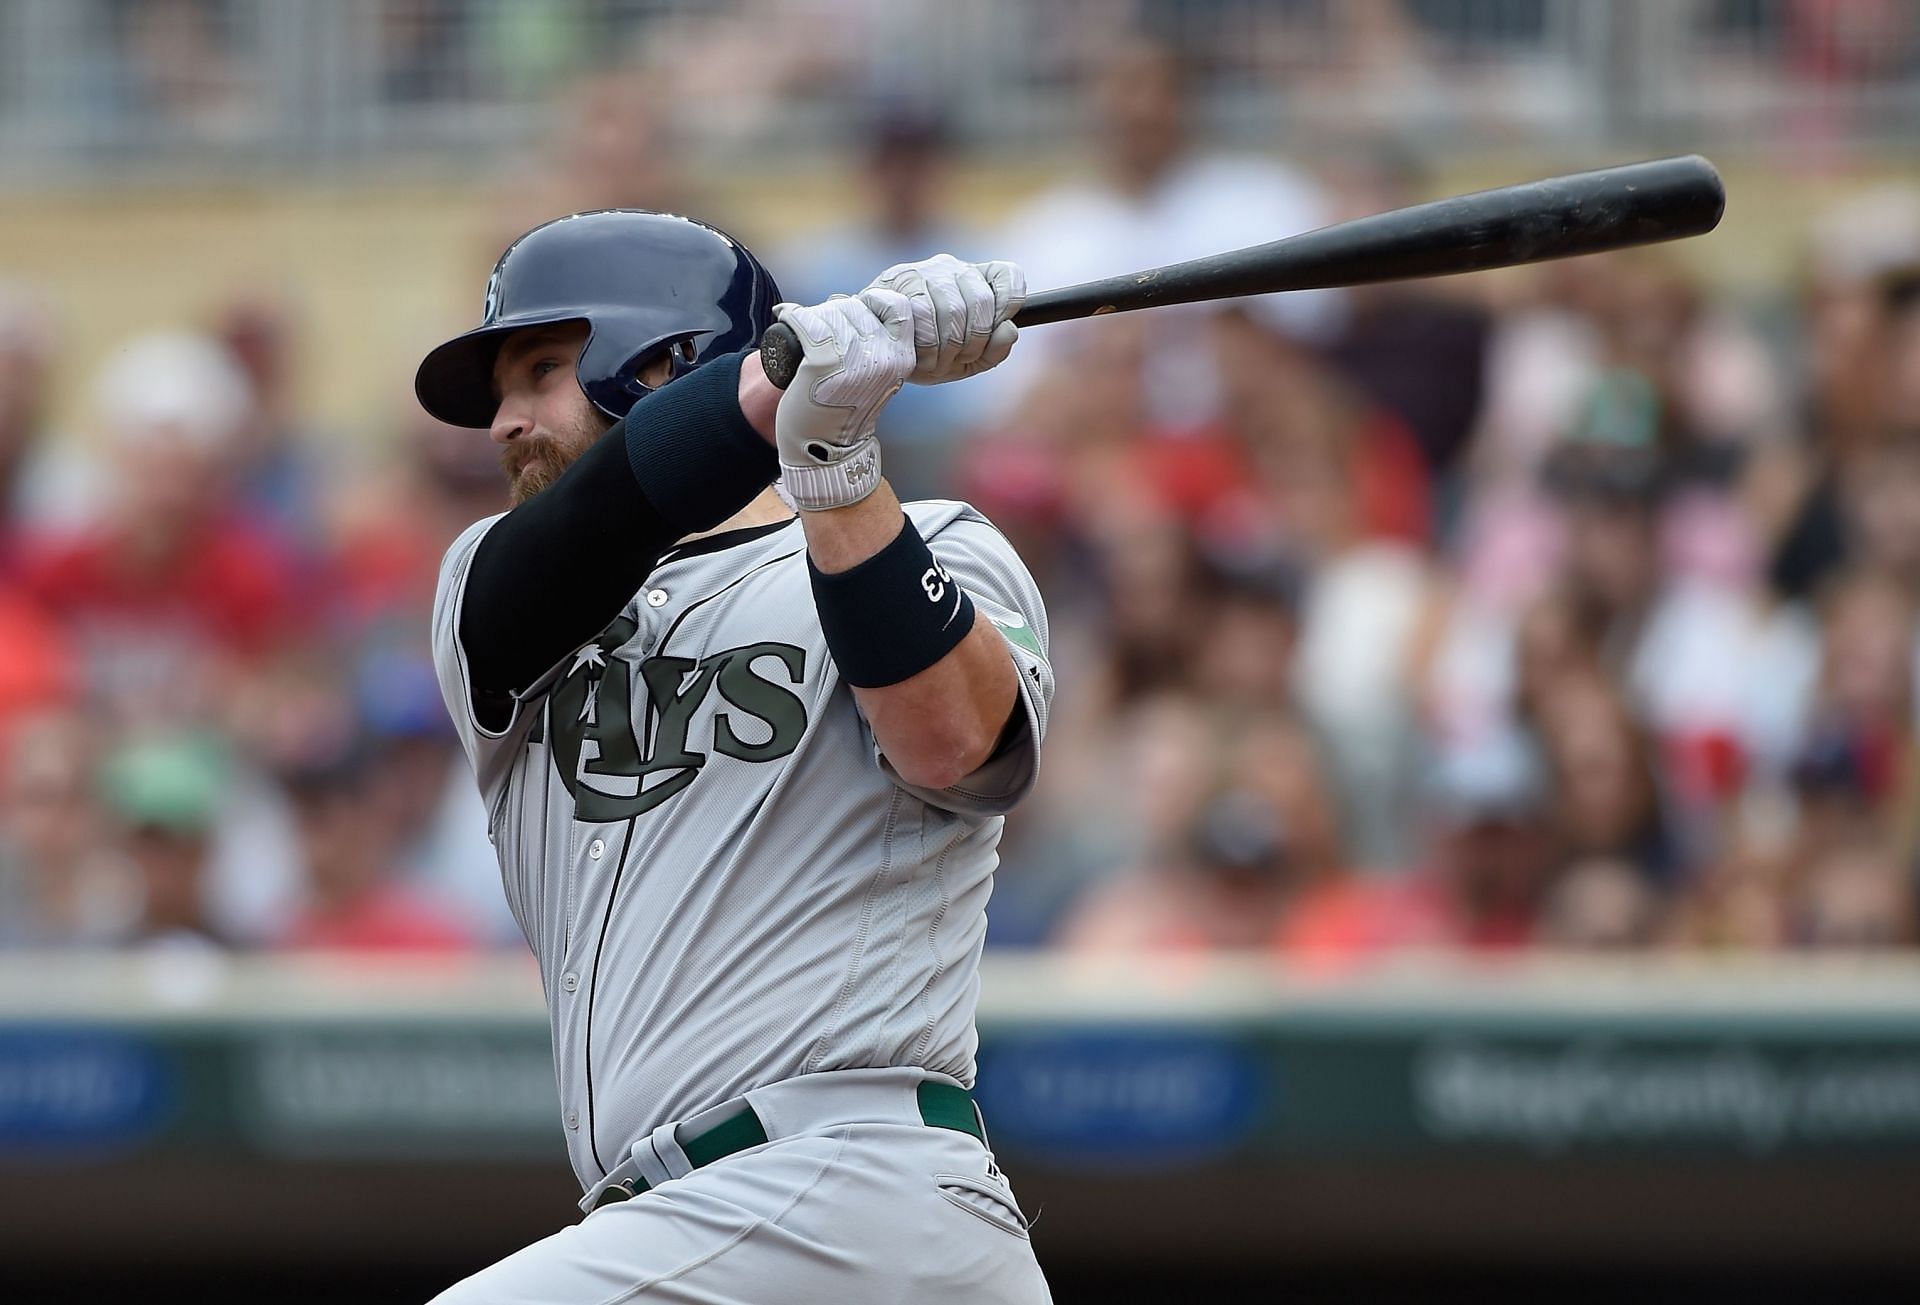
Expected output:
(683, 352)
(666, 362)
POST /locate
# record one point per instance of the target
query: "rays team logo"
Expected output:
(492, 309)
(617, 766)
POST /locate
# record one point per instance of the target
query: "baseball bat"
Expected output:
(1560, 217)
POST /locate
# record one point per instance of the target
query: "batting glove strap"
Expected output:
(831, 475)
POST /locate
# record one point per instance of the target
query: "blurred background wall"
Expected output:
(1477, 843)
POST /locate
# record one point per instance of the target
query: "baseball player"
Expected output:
(745, 767)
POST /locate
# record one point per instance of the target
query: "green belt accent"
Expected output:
(942, 1105)
(723, 1139)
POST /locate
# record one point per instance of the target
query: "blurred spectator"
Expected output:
(1152, 611)
(1859, 757)
(418, 43)
(276, 468)
(1601, 904)
(1307, 454)
(1063, 466)
(1159, 199)
(1491, 858)
(1881, 499)
(391, 526)
(1858, 896)
(1282, 760)
(1861, 312)
(1334, 490)
(1610, 497)
(615, 148)
(1412, 347)
(420, 786)
(1249, 632)
(1494, 849)
(1121, 785)
(181, 73)
(608, 147)
(1246, 850)
(1737, 904)
(1849, 41)
(1606, 795)
(44, 484)
(294, 711)
(172, 591)
(354, 898)
(164, 794)
(61, 883)
(1230, 886)
(1486, 879)
(1867, 674)
(904, 213)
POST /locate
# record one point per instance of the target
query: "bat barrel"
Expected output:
(1584, 213)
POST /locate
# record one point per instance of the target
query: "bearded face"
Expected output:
(544, 420)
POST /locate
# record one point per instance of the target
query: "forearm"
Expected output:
(942, 723)
(556, 569)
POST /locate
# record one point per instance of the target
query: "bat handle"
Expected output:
(780, 354)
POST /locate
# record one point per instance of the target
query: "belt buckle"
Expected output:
(624, 1190)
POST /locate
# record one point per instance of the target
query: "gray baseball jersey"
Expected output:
(724, 883)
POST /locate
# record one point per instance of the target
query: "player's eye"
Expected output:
(541, 368)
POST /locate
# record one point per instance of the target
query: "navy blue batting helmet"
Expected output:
(643, 283)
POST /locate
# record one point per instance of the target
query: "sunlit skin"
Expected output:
(935, 727)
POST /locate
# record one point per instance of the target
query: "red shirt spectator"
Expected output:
(155, 632)
(171, 588)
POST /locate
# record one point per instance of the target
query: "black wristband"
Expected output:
(696, 456)
(893, 615)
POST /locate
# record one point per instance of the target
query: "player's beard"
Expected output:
(532, 464)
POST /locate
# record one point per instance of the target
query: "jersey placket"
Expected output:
(597, 861)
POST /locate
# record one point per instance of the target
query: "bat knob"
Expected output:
(780, 354)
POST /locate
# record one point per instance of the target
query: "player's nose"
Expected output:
(510, 422)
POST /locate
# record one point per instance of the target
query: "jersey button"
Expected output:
(573, 1119)
(656, 598)
(570, 981)
(595, 848)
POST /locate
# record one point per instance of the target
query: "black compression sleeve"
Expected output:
(556, 569)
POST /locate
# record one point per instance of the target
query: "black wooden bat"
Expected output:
(1561, 217)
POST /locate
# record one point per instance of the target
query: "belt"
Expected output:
(737, 1125)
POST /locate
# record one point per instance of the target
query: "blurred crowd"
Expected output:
(236, 81)
(1576, 607)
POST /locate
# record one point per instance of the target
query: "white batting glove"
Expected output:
(960, 313)
(855, 354)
